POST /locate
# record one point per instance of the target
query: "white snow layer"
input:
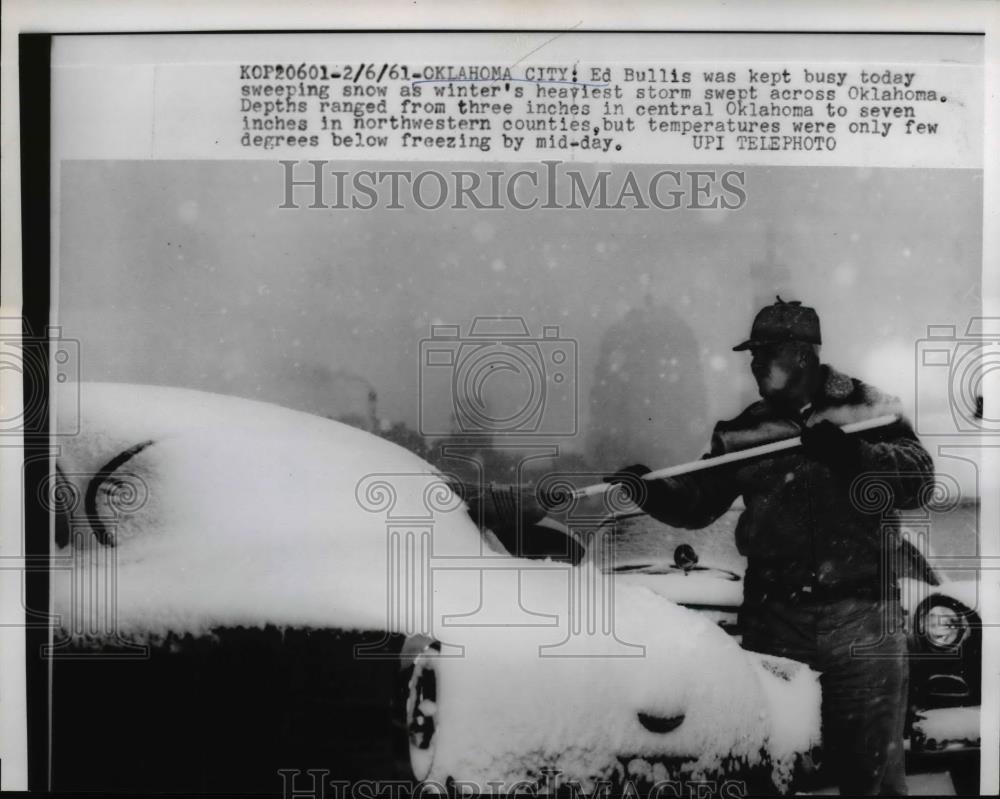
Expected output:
(250, 514)
(950, 724)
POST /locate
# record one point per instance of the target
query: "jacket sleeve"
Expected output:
(693, 500)
(896, 457)
(690, 501)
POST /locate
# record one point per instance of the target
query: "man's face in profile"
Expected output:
(777, 368)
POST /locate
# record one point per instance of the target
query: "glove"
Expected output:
(828, 444)
(630, 479)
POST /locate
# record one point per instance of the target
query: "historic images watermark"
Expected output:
(87, 509)
(537, 374)
(412, 506)
(497, 398)
(31, 358)
(956, 365)
(551, 185)
(944, 618)
(89, 512)
(319, 784)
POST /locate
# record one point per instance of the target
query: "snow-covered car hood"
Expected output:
(715, 588)
(228, 512)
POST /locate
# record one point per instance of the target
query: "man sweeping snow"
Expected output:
(820, 586)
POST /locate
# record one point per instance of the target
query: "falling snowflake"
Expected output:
(483, 231)
(188, 211)
(845, 275)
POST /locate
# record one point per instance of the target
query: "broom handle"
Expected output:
(733, 457)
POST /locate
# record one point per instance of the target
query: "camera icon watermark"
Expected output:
(497, 379)
(952, 368)
(40, 361)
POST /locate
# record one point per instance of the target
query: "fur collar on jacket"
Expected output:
(846, 399)
(841, 400)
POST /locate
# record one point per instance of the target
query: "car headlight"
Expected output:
(943, 626)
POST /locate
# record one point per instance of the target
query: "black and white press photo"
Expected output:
(509, 413)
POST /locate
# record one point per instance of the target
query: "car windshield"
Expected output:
(642, 539)
(638, 539)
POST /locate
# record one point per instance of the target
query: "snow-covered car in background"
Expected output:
(251, 599)
(701, 570)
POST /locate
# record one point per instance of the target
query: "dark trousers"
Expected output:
(859, 648)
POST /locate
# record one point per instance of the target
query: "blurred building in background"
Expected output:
(647, 400)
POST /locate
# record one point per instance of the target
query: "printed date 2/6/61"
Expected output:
(303, 71)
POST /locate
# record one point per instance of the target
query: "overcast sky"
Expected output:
(187, 273)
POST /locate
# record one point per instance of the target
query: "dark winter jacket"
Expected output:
(805, 523)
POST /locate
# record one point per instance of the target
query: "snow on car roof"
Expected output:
(250, 513)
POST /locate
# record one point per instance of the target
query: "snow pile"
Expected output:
(507, 710)
(248, 514)
(793, 696)
(697, 587)
(949, 725)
